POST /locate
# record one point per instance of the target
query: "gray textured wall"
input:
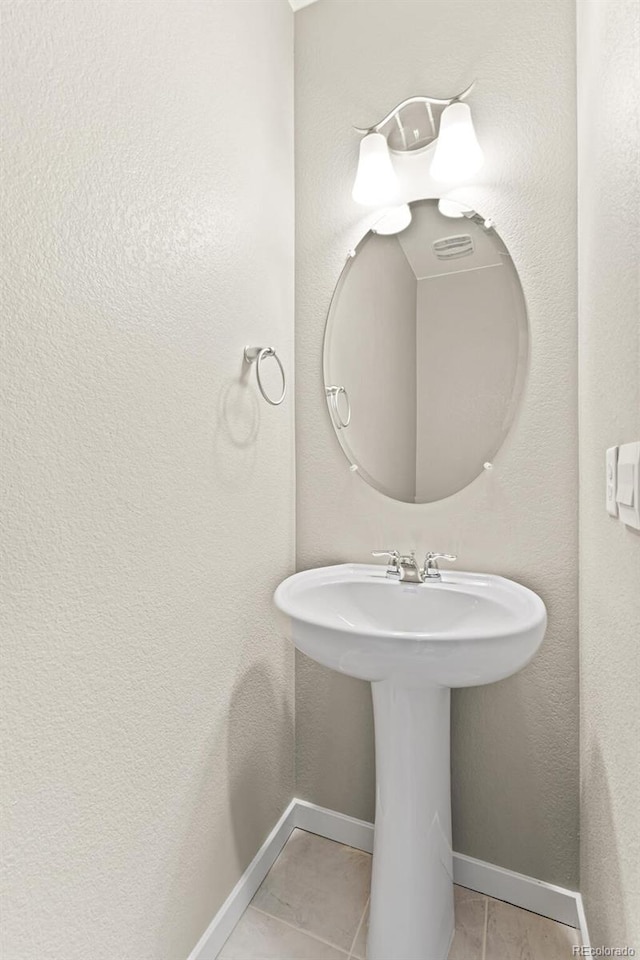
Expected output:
(515, 744)
(147, 696)
(609, 295)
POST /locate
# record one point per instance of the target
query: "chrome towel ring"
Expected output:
(257, 355)
(333, 394)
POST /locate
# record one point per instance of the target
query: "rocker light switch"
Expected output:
(612, 481)
(628, 484)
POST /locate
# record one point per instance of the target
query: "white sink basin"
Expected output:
(463, 630)
(413, 641)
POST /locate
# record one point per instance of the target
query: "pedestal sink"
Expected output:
(413, 642)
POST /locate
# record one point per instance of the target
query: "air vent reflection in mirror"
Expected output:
(451, 248)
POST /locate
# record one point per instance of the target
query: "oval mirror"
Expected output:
(425, 353)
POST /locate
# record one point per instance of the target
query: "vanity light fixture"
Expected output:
(441, 129)
(376, 183)
(458, 154)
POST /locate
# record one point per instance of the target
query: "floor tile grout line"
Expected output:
(355, 936)
(484, 928)
(307, 933)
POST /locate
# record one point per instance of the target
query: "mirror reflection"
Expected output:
(425, 353)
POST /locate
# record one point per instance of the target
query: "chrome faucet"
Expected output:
(401, 567)
(430, 570)
(405, 567)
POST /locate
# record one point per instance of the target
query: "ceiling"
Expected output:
(299, 4)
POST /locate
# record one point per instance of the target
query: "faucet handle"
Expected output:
(430, 570)
(391, 554)
(393, 570)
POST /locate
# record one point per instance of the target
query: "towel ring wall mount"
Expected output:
(333, 394)
(257, 355)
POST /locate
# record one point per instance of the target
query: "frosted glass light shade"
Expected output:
(376, 183)
(393, 220)
(458, 154)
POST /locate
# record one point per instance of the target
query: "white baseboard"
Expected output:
(582, 922)
(213, 939)
(546, 899)
(516, 888)
(334, 826)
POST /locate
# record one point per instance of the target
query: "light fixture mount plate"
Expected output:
(413, 123)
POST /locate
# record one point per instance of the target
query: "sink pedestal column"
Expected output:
(411, 885)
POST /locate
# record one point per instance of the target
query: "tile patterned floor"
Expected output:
(314, 903)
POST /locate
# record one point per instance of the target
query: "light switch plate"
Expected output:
(611, 468)
(628, 484)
